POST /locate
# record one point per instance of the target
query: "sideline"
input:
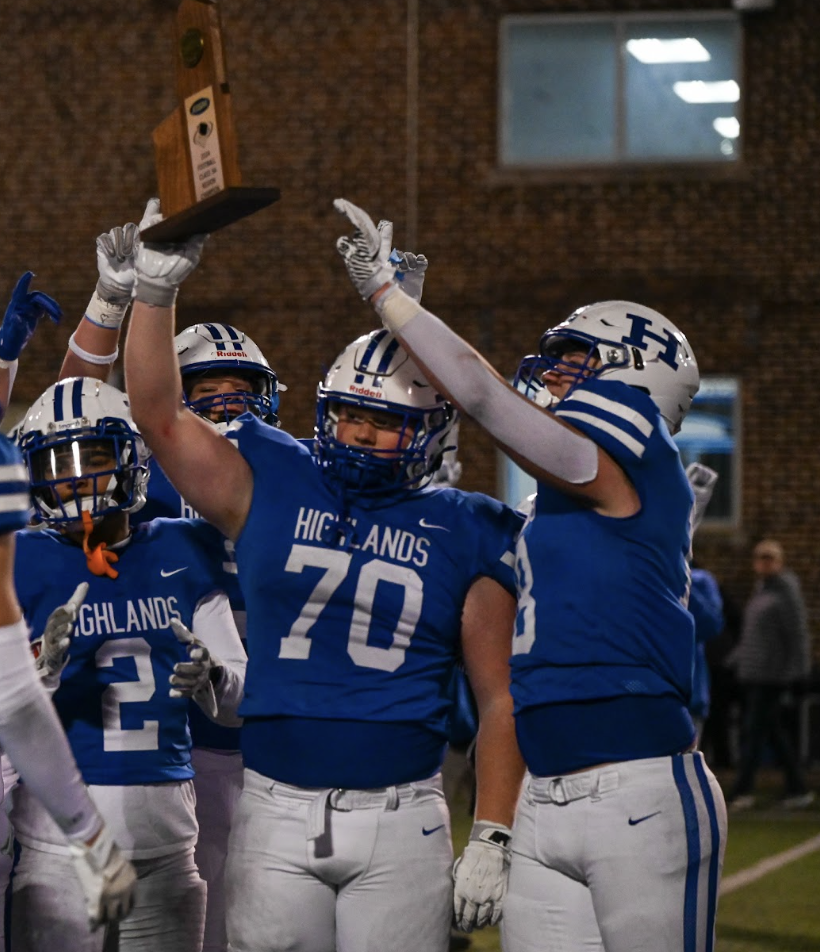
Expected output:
(738, 880)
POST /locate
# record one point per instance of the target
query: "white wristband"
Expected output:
(8, 364)
(105, 314)
(396, 308)
(90, 358)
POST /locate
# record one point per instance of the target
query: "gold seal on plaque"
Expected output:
(192, 47)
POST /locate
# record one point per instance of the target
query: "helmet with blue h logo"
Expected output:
(83, 452)
(622, 341)
(219, 350)
(375, 374)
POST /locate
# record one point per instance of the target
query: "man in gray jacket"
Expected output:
(772, 657)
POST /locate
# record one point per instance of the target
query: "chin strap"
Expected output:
(99, 559)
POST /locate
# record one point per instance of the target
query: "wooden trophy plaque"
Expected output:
(195, 147)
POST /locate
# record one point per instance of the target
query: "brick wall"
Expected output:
(324, 108)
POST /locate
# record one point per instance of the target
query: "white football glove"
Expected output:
(116, 250)
(366, 254)
(51, 649)
(107, 879)
(702, 479)
(160, 269)
(409, 272)
(480, 876)
(115, 263)
(193, 678)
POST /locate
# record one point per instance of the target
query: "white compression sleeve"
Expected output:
(31, 735)
(471, 383)
(214, 626)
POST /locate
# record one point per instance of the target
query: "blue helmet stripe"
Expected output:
(389, 354)
(371, 349)
(77, 397)
(214, 332)
(58, 403)
(234, 336)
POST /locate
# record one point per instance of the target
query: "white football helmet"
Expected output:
(83, 452)
(632, 343)
(376, 373)
(219, 349)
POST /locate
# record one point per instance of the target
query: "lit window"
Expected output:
(598, 90)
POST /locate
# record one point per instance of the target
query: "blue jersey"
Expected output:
(354, 615)
(15, 503)
(602, 601)
(113, 697)
(706, 606)
(165, 502)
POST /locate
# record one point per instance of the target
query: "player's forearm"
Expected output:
(92, 350)
(152, 372)
(465, 377)
(31, 735)
(499, 765)
(214, 626)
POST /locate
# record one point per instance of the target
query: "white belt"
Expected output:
(343, 800)
(566, 789)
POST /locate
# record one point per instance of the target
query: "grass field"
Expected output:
(779, 912)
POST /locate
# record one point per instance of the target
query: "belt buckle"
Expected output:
(557, 791)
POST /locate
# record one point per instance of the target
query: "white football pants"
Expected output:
(625, 858)
(340, 870)
(218, 784)
(48, 911)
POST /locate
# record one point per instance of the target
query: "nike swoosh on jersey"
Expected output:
(428, 832)
(165, 574)
(428, 525)
(642, 818)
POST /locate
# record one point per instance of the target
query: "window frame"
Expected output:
(620, 163)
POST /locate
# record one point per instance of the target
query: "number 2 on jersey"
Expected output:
(115, 736)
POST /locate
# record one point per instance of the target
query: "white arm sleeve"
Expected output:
(33, 738)
(214, 626)
(471, 383)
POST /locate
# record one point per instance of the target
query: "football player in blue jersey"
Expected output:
(29, 730)
(620, 831)
(360, 581)
(224, 374)
(154, 613)
(31, 735)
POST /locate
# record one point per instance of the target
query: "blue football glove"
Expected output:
(24, 310)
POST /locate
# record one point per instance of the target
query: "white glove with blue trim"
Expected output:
(409, 272)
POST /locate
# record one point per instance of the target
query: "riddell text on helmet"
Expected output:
(365, 392)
